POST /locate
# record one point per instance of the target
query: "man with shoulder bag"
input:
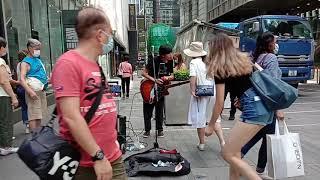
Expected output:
(76, 80)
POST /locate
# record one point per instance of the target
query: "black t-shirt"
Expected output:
(161, 68)
(236, 85)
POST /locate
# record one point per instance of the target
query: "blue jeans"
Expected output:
(262, 158)
(253, 109)
(22, 101)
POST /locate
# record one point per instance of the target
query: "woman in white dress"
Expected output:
(200, 107)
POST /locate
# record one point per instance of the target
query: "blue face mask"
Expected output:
(106, 48)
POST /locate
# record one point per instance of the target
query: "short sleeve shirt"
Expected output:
(3, 63)
(76, 76)
(161, 68)
(236, 85)
(198, 69)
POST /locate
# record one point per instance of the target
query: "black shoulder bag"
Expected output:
(50, 156)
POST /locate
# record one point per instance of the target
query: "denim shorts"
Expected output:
(253, 109)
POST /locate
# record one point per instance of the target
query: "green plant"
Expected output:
(181, 75)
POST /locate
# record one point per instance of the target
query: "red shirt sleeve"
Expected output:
(66, 79)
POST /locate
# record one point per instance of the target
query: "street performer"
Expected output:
(159, 72)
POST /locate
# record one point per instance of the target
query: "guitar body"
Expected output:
(147, 89)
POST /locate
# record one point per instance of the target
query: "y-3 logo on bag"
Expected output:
(297, 154)
(64, 164)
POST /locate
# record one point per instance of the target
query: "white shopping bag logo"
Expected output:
(64, 164)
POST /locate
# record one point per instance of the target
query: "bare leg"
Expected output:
(201, 135)
(218, 131)
(240, 134)
(34, 124)
(38, 123)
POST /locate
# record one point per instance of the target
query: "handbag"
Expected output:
(204, 90)
(50, 156)
(35, 84)
(275, 93)
(284, 154)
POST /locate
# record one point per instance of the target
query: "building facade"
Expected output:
(190, 10)
(39, 19)
(165, 11)
(118, 14)
(237, 10)
(53, 23)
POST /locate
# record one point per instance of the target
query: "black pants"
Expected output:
(233, 109)
(147, 114)
(125, 83)
(262, 158)
(6, 124)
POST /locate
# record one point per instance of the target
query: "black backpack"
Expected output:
(146, 163)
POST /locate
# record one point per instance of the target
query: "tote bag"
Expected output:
(284, 154)
(275, 93)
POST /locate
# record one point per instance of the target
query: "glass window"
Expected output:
(40, 29)
(17, 26)
(282, 27)
(56, 40)
(248, 31)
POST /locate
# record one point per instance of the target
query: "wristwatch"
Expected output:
(99, 156)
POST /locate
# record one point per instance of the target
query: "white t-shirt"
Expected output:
(3, 63)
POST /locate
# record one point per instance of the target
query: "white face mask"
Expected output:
(4, 53)
(276, 49)
(36, 53)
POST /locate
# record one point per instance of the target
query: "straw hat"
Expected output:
(195, 50)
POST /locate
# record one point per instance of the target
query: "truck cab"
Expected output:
(294, 37)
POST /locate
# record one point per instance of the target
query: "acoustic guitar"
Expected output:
(148, 93)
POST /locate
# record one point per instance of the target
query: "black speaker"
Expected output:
(122, 132)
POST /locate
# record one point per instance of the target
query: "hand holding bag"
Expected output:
(284, 154)
(275, 93)
(50, 156)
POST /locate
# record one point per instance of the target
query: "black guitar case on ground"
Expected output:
(145, 163)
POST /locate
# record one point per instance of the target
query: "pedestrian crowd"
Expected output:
(28, 91)
(77, 79)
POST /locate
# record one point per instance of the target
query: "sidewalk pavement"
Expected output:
(206, 165)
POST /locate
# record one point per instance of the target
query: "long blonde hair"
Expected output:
(224, 60)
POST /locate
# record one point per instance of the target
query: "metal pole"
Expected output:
(145, 33)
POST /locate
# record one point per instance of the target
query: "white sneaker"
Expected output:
(9, 150)
(264, 176)
(201, 147)
(27, 130)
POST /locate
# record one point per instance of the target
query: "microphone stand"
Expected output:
(155, 144)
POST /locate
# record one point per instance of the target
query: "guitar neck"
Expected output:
(176, 84)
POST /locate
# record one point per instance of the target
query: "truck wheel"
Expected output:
(295, 85)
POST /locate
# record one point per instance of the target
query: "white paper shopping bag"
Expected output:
(284, 154)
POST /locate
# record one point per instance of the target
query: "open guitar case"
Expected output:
(157, 161)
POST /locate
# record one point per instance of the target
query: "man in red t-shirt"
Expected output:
(76, 79)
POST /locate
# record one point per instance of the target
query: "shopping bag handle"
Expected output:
(285, 127)
(286, 130)
(277, 130)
